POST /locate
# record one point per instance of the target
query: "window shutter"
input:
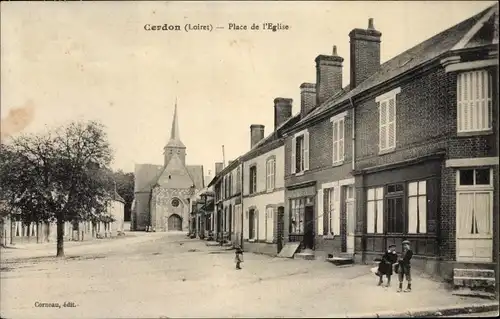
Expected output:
(335, 141)
(306, 151)
(336, 217)
(341, 141)
(383, 128)
(293, 160)
(321, 212)
(391, 124)
(380, 209)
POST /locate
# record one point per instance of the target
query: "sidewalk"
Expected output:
(276, 287)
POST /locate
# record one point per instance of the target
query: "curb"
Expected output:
(432, 311)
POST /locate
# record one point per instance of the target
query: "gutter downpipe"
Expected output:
(353, 135)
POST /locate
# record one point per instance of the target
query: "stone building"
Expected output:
(163, 192)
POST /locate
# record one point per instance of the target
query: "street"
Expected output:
(167, 275)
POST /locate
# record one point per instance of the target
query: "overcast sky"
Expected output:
(80, 60)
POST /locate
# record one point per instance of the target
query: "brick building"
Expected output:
(407, 150)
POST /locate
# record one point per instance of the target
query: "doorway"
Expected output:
(175, 223)
(280, 228)
(309, 227)
(350, 214)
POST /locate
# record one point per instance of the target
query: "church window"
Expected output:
(175, 202)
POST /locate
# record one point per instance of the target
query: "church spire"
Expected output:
(174, 132)
(175, 140)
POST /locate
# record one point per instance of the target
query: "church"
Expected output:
(162, 192)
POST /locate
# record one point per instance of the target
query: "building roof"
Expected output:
(412, 58)
(175, 140)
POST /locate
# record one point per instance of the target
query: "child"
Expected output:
(239, 257)
(385, 266)
(404, 266)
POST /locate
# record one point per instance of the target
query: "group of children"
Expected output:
(401, 265)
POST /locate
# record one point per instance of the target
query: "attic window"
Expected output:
(169, 176)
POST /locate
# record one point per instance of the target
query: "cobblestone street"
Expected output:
(167, 275)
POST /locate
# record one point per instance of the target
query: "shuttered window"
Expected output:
(387, 124)
(270, 174)
(474, 101)
(338, 140)
(300, 153)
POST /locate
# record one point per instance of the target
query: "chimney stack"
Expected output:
(365, 53)
(218, 167)
(307, 98)
(256, 134)
(328, 75)
(282, 111)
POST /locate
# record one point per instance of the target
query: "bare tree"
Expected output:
(58, 176)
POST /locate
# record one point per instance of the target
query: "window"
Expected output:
(297, 215)
(252, 224)
(387, 122)
(474, 101)
(331, 215)
(395, 209)
(473, 177)
(475, 202)
(230, 185)
(253, 179)
(270, 173)
(175, 202)
(375, 211)
(238, 180)
(417, 207)
(269, 224)
(300, 153)
(338, 140)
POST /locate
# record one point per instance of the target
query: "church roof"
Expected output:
(145, 176)
(196, 172)
(175, 140)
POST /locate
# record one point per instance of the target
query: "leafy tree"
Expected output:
(57, 176)
(125, 188)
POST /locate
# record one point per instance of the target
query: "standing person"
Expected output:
(404, 266)
(385, 266)
(239, 257)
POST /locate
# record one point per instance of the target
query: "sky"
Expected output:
(66, 61)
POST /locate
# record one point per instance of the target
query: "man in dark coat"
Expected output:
(404, 266)
(385, 266)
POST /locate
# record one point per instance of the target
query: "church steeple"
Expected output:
(174, 145)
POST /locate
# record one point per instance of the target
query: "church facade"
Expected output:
(162, 192)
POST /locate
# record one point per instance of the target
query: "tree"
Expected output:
(125, 188)
(57, 176)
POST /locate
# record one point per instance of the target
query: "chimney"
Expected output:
(365, 53)
(256, 134)
(218, 167)
(328, 75)
(282, 111)
(307, 98)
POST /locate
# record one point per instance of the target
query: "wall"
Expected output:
(260, 161)
(260, 203)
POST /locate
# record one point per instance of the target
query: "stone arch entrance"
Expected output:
(175, 223)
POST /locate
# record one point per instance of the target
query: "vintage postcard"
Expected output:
(249, 159)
